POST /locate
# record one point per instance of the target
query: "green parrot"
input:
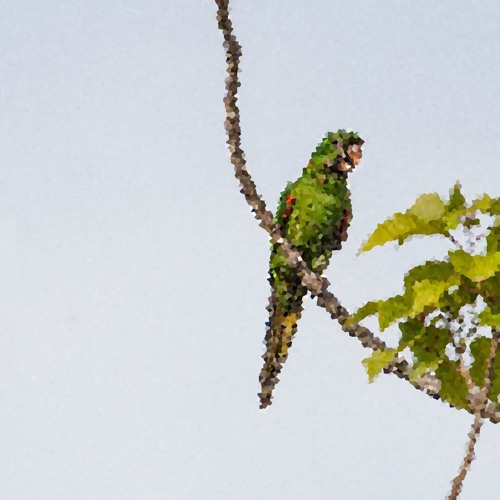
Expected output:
(313, 213)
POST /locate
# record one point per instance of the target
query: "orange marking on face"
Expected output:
(355, 153)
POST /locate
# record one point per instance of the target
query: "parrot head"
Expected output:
(340, 151)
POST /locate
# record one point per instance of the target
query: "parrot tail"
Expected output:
(280, 331)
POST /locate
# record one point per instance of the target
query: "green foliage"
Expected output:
(475, 267)
(428, 216)
(481, 350)
(432, 270)
(427, 343)
(457, 200)
(488, 318)
(420, 369)
(425, 288)
(392, 309)
(424, 217)
(379, 360)
(429, 310)
(490, 291)
(427, 295)
(493, 237)
(388, 310)
(453, 300)
(453, 387)
(486, 205)
(399, 228)
(428, 207)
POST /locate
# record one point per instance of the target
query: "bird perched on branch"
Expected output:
(313, 213)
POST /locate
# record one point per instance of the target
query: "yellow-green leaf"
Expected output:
(420, 369)
(488, 318)
(453, 387)
(431, 270)
(393, 309)
(457, 199)
(493, 237)
(455, 208)
(399, 227)
(427, 294)
(379, 360)
(369, 309)
(388, 311)
(427, 343)
(486, 204)
(480, 350)
(428, 282)
(490, 291)
(428, 207)
(475, 267)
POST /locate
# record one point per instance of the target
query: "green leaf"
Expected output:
(457, 199)
(453, 387)
(486, 204)
(493, 237)
(490, 291)
(424, 217)
(427, 207)
(432, 270)
(452, 301)
(488, 318)
(369, 309)
(427, 295)
(427, 343)
(420, 369)
(388, 311)
(455, 208)
(392, 309)
(398, 228)
(428, 283)
(410, 330)
(379, 360)
(475, 267)
(429, 215)
(480, 349)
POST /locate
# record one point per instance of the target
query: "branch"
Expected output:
(478, 401)
(456, 485)
(490, 367)
(317, 285)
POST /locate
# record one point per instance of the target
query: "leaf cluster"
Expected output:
(430, 311)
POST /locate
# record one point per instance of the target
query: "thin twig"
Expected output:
(490, 367)
(456, 242)
(457, 483)
(317, 285)
(478, 399)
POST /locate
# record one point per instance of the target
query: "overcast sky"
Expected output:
(134, 277)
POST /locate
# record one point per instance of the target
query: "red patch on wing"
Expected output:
(290, 202)
(345, 224)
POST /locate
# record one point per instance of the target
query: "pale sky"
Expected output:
(134, 277)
